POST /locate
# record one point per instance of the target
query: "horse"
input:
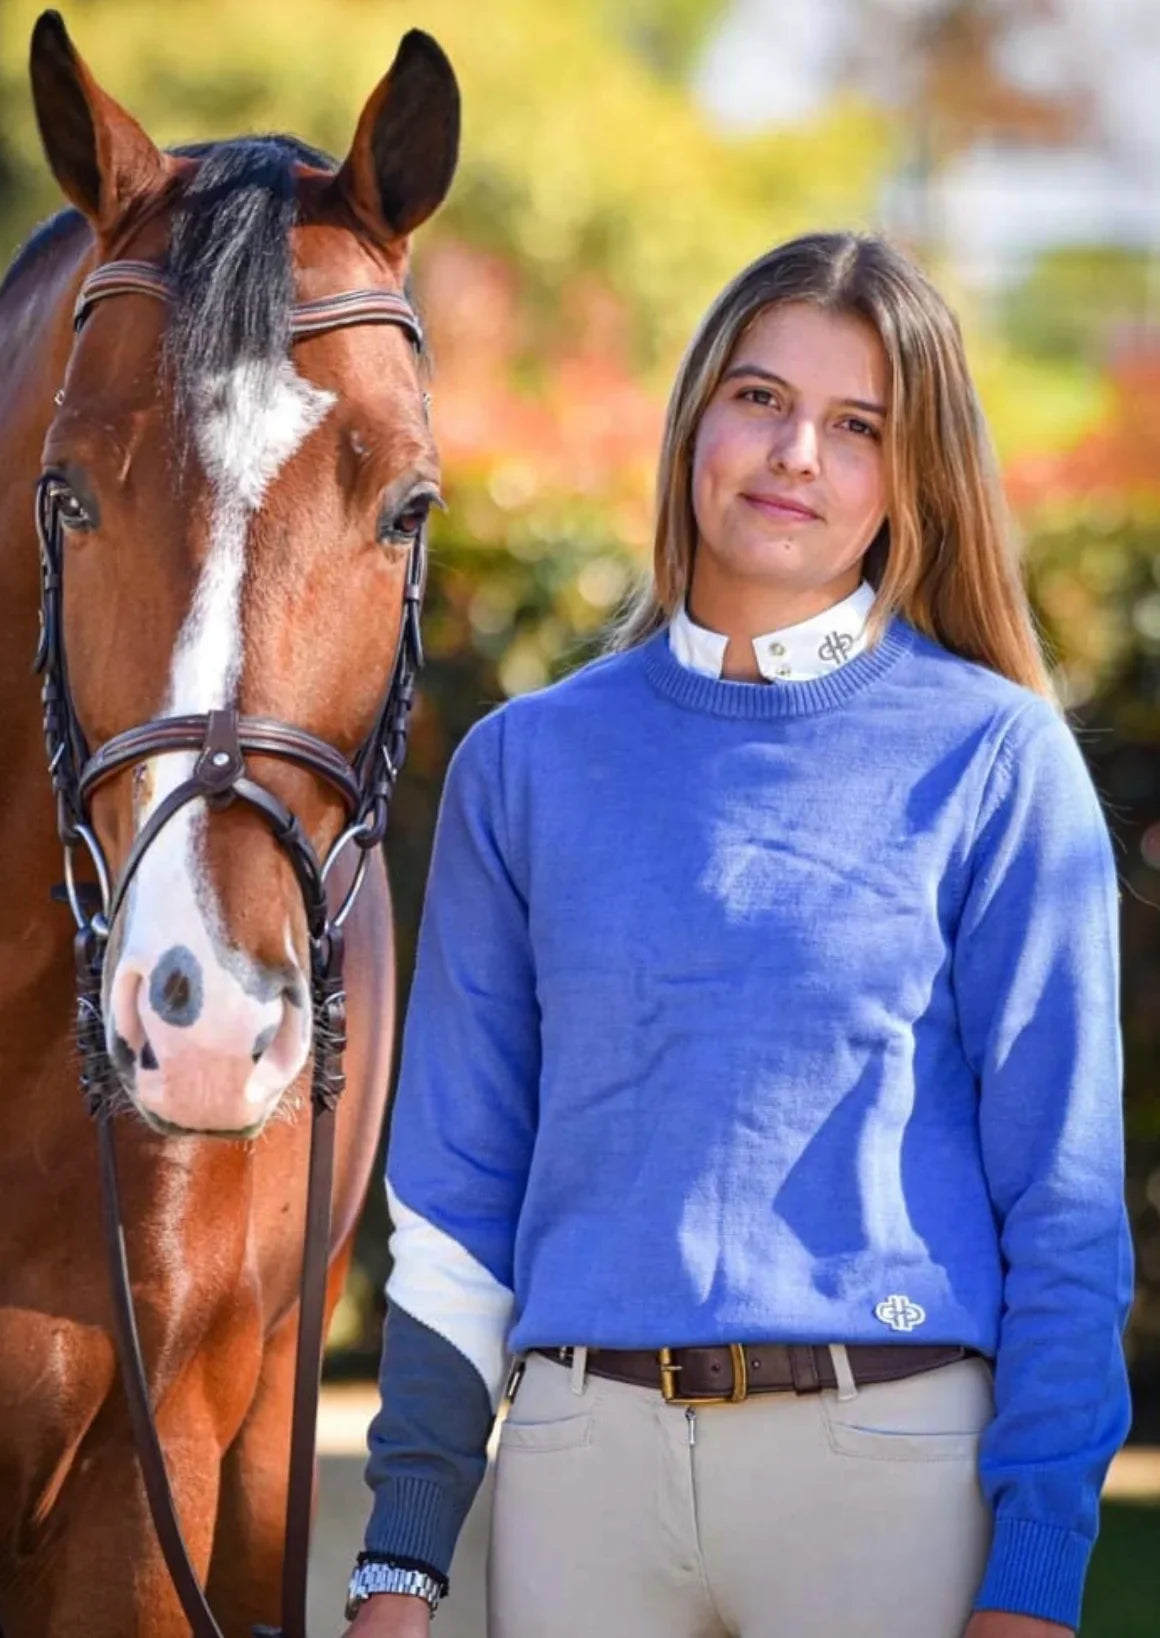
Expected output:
(237, 518)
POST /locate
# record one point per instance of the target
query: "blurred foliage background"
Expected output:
(599, 205)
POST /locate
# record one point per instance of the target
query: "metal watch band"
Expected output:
(376, 1577)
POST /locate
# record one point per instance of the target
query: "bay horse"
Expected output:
(237, 517)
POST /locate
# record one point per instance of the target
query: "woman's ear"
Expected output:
(405, 148)
(101, 157)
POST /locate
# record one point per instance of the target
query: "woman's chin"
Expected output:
(772, 560)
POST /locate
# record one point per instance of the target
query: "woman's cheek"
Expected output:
(860, 479)
(726, 453)
(707, 452)
(709, 474)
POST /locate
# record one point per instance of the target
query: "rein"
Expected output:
(221, 740)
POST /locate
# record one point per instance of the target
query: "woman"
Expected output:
(760, 1087)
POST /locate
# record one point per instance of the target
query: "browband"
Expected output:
(307, 318)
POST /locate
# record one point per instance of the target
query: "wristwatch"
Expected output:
(379, 1575)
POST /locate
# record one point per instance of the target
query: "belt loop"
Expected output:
(803, 1368)
(847, 1387)
(579, 1369)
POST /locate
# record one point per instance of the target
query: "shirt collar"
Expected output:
(811, 648)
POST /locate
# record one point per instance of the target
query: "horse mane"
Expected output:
(47, 237)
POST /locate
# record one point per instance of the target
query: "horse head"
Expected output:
(237, 503)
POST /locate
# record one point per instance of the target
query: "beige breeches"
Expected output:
(618, 1516)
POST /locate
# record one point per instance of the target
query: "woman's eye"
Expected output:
(762, 396)
(863, 428)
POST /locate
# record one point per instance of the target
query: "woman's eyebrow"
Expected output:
(780, 381)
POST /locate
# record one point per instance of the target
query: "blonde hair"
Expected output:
(945, 557)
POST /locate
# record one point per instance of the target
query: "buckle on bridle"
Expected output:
(220, 763)
(669, 1369)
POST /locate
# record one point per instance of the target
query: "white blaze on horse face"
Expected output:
(247, 424)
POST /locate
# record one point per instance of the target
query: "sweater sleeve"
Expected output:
(462, 1129)
(1036, 972)
(427, 1445)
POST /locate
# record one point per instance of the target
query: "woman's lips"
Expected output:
(782, 509)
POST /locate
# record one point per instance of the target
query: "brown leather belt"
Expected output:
(728, 1374)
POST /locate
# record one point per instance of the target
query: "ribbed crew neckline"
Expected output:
(725, 697)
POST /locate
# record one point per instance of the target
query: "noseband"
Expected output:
(221, 740)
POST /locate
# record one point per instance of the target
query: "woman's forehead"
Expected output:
(836, 355)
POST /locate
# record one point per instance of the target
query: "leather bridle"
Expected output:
(221, 741)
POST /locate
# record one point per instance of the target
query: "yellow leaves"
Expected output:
(1035, 405)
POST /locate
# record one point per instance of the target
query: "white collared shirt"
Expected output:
(811, 648)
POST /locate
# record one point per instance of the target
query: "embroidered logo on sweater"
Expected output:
(899, 1312)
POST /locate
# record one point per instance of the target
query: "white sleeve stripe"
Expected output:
(443, 1286)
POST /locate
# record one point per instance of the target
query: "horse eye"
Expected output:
(406, 523)
(70, 508)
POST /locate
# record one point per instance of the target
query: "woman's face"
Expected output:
(796, 423)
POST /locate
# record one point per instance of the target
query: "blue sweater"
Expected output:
(741, 1011)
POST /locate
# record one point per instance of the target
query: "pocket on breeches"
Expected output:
(545, 1414)
(938, 1416)
(568, 1433)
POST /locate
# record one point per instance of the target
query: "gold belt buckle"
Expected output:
(669, 1369)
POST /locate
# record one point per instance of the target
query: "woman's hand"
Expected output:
(391, 1615)
(1002, 1624)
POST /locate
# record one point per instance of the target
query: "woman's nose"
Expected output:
(795, 446)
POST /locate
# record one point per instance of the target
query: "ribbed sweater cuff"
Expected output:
(1035, 1569)
(416, 1519)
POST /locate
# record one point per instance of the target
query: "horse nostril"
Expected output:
(176, 990)
(264, 1040)
(123, 1056)
(148, 1056)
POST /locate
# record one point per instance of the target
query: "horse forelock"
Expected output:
(229, 260)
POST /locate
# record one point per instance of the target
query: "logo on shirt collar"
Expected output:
(835, 647)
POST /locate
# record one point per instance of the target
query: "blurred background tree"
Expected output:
(614, 176)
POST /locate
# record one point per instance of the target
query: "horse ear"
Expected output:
(403, 156)
(98, 153)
